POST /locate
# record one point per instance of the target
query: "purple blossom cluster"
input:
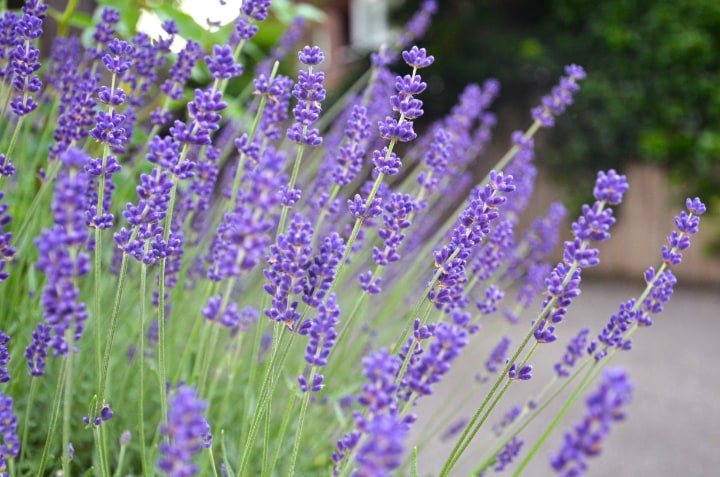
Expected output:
(63, 260)
(322, 336)
(604, 408)
(351, 153)
(561, 97)
(380, 431)
(179, 74)
(472, 226)
(4, 357)
(427, 365)
(407, 106)
(227, 205)
(309, 93)
(188, 433)
(592, 226)
(244, 28)
(418, 24)
(660, 285)
(7, 251)
(574, 351)
(288, 261)
(23, 55)
(10, 445)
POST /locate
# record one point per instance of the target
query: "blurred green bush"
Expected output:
(653, 87)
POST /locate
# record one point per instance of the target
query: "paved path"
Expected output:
(673, 425)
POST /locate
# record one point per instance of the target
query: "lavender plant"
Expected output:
(291, 297)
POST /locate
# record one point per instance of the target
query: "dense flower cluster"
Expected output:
(207, 219)
(188, 433)
(604, 407)
(592, 226)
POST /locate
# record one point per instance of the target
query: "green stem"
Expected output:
(281, 435)
(556, 420)
(64, 21)
(141, 373)
(26, 421)
(53, 419)
(301, 422)
(113, 328)
(67, 404)
(121, 461)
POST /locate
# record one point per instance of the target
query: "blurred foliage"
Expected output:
(653, 87)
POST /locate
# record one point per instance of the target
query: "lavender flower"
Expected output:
(506, 456)
(604, 408)
(36, 351)
(498, 355)
(574, 351)
(383, 450)
(222, 64)
(395, 220)
(659, 285)
(10, 446)
(180, 73)
(60, 255)
(289, 260)
(687, 224)
(188, 432)
(350, 154)
(25, 58)
(418, 24)
(105, 31)
(522, 372)
(309, 92)
(561, 97)
(593, 226)
(4, 357)
(7, 251)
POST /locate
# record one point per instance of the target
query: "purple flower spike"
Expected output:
(222, 64)
(604, 407)
(383, 450)
(10, 446)
(574, 351)
(686, 224)
(188, 432)
(417, 58)
(311, 56)
(610, 187)
(7, 251)
(498, 356)
(524, 373)
(508, 454)
(309, 92)
(561, 97)
(4, 357)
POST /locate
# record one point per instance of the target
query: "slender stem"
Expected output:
(67, 404)
(64, 21)
(141, 373)
(28, 410)
(281, 435)
(301, 422)
(556, 420)
(53, 419)
(121, 461)
(113, 328)
(460, 445)
(14, 137)
(291, 186)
